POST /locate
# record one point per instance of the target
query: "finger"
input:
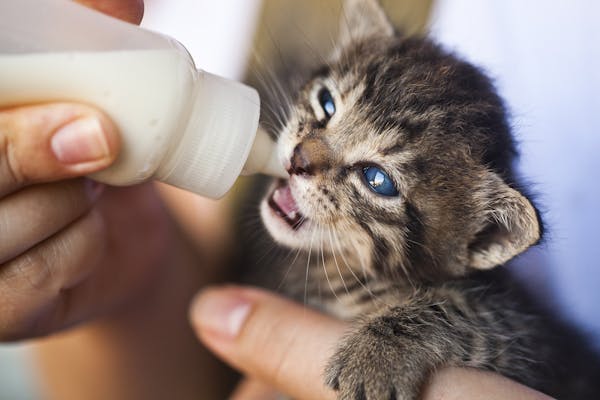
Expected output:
(454, 383)
(46, 208)
(50, 142)
(268, 338)
(252, 389)
(35, 287)
(127, 10)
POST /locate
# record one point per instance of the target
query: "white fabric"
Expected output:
(545, 57)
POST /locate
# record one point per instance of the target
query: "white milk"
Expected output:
(180, 125)
(144, 92)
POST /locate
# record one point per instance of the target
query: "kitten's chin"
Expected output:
(282, 217)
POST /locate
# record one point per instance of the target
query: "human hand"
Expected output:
(127, 10)
(69, 252)
(279, 345)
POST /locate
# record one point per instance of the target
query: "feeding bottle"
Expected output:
(178, 124)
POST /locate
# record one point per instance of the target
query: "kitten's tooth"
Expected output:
(276, 195)
(292, 215)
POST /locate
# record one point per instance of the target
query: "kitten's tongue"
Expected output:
(285, 201)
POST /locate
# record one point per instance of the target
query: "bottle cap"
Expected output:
(217, 140)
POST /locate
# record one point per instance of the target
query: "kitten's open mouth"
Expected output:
(282, 202)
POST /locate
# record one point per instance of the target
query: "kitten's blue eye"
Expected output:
(327, 103)
(379, 182)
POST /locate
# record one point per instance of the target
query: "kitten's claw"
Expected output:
(368, 367)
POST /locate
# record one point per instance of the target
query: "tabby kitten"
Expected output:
(402, 197)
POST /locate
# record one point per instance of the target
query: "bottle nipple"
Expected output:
(263, 157)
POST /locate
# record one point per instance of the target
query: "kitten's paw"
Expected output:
(374, 367)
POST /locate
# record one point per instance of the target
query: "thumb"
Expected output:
(127, 10)
(49, 142)
(268, 338)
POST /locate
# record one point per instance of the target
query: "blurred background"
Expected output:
(544, 57)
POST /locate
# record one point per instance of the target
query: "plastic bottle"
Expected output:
(178, 124)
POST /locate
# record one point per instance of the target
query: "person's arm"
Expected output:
(279, 344)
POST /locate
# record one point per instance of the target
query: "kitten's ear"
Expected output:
(361, 19)
(509, 224)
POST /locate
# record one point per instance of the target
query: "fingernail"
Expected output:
(221, 312)
(80, 141)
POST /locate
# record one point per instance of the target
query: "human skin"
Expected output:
(127, 10)
(280, 345)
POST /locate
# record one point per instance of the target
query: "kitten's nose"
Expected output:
(309, 157)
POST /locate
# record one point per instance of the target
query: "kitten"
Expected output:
(402, 197)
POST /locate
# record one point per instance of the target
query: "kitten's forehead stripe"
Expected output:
(396, 148)
(412, 128)
(321, 72)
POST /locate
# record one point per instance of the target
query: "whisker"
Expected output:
(337, 266)
(325, 271)
(308, 267)
(289, 268)
(361, 261)
(373, 297)
(273, 246)
(278, 104)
